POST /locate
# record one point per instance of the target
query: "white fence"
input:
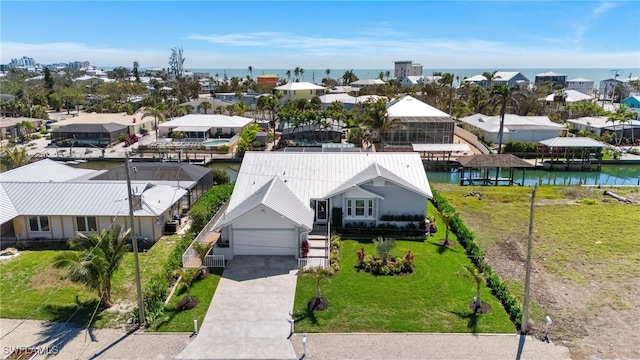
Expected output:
(310, 263)
(190, 254)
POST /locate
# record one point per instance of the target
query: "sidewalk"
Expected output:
(425, 346)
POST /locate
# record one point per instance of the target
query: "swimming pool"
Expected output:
(216, 142)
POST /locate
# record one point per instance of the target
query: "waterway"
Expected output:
(609, 175)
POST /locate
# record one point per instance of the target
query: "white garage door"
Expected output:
(265, 242)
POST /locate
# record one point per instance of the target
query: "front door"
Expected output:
(321, 211)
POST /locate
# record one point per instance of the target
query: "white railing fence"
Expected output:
(310, 263)
(191, 253)
(214, 261)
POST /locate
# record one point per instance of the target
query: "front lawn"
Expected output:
(174, 320)
(434, 298)
(32, 288)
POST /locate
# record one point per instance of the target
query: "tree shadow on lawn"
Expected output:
(442, 248)
(67, 323)
(472, 317)
(305, 314)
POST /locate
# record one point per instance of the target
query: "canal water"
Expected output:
(609, 175)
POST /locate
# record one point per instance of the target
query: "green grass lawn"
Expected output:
(32, 288)
(182, 321)
(433, 299)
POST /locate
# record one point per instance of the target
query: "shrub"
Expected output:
(223, 148)
(385, 265)
(334, 257)
(304, 249)
(204, 209)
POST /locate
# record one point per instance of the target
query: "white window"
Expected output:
(86, 223)
(360, 208)
(39, 223)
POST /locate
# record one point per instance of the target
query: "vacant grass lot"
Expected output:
(32, 288)
(433, 299)
(174, 320)
(586, 258)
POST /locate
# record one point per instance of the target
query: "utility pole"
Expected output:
(134, 243)
(527, 282)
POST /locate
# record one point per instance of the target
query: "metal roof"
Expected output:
(491, 124)
(441, 147)
(45, 170)
(312, 175)
(7, 210)
(571, 96)
(575, 142)
(299, 86)
(192, 128)
(276, 196)
(209, 121)
(410, 107)
(89, 198)
(90, 128)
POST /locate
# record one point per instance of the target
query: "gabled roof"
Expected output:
(209, 121)
(374, 171)
(314, 175)
(414, 79)
(511, 121)
(299, 86)
(475, 78)
(550, 73)
(500, 76)
(576, 142)
(409, 106)
(276, 196)
(90, 128)
(45, 170)
(572, 96)
(602, 122)
(367, 82)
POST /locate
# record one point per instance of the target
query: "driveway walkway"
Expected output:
(249, 315)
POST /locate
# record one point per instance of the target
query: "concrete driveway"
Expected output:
(249, 315)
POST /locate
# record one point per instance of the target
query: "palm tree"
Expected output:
(205, 105)
(187, 276)
(250, 70)
(296, 72)
(288, 73)
(377, 119)
(14, 156)
(302, 73)
(24, 129)
(447, 217)
(98, 258)
(328, 72)
(387, 74)
(318, 274)
(622, 116)
(502, 94)
(478, 279)
(447, 80)
(202, 249)
(559, 98)
(157, 113)
(489, 76)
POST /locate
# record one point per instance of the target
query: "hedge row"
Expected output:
(204, 209)
(466, 239)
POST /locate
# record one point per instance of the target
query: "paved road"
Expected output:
(249, 315)
(67, 341)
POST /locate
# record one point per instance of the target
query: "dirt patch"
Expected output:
(51, 278)
(483, 309)
(318, 304)
(185, 304)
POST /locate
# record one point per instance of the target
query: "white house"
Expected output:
(572, 96)
(346, 100)
(421, 123)
(49, 200)
(516, 127)
(583, 85)
(200, 126)
(413, 81)
(477, 79)
(280, 197)
(366, 82)
(606, 88)
(599, 124)
(509, 78)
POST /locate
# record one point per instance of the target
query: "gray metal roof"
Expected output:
(441, 147)
(575, 142)
(90, 128)
(45, 170)
(276, 196)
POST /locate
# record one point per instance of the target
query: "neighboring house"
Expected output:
(9, 125)
(346, 100)
(202, 127)
(551, 77)
(405, 68)
(47, 200)
(510, 78)
(606, 88)
(516, 127)
(421, 123)
(366, 82)
(89, 81)
(299, 90)
(583, 85)
(632, 102)
(215, 103)
(477, 79)
(598, 125)
(367, 99)
(280, 197)
(134, 123)
(571, 97)
(88, 134)
(268, 79)
(314, 134)
(412, 81)
(196, 180)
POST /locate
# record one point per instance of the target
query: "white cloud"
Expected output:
(602, 8)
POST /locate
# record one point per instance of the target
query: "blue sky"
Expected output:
(326, 34)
